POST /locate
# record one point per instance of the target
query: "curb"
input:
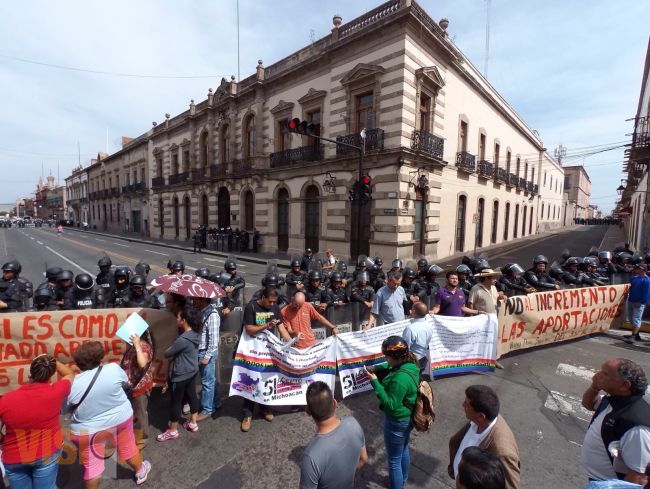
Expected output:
(259, 261)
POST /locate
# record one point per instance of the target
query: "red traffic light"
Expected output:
(365, 180)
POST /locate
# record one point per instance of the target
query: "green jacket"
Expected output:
(397, 387)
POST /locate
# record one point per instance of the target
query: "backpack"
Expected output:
(422, 415)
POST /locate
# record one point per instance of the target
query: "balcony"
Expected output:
(374, 142)
(103, 194)
(432, 145)
(289, 157)
(512, 180)
(530, 186)
(157, 182)
(535, 189)
(179, 178)
(200, 174)
(115, 192)
(134, 187)
(502, 175)
(521, 183)
(242, 166)
(466, 162)
(218, 171)
(485, 169)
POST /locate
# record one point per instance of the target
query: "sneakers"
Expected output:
(189, 426)
(167, 435)
(142, 474)
(186, 409)
(632, 338)
(246, 424)
(267, 415)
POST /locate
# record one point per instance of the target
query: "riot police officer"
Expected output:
(571, 274)
(396, 265)
(105, 278)
(537, 277)
(63, 286)
(414, 293)
(203, 272)
(512, 283)
(362, 291)
(25, 287)
(273, 281)
(143, 268)
(178, 268)
(296, 279)
(605, 266)
(122, 292)
(306, 259)
(138, 295)
(50, 279)
(430, 283)
(464, 282)
(315, 293)
(347, 278)
(423, 268)
(236, 284)
(337, 296)
(83, 294)
(11, 291)
(44, 300)
(589, 275)
(377, 275)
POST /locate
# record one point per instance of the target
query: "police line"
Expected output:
(523, 322)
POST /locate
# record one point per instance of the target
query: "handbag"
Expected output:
(73, 407)
(128, 387)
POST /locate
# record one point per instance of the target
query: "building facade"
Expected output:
(49, 200)
(578, 190)
(453, 168)
(77, 196)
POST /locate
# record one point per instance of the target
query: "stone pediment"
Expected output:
(185, 142)
(360, 72)
(173, 147)
(432, 75)
(157, 151)
(312, 95)
(282, 107)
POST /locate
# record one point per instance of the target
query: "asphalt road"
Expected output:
(539, 391)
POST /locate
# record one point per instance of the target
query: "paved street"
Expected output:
(539, 390)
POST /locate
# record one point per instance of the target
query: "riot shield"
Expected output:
(228, 342)
(233, 321)
(341, 317)
(620, 278)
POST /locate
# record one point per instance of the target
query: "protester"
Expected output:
(30, 414)
(450, 300)
(101, 413)
(484, 296)
(184, 353)
(259, 315)
(479, 469)
(617, 443)
(397, 393)
(297, 317)
(338, 449)
(417, 335)
(208, 354)
(389, 301)
(136, 362)
(487, 430)
(330, 260)
(638, 297)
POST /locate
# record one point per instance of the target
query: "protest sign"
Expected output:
(547, 317)
(463, 344)
(267, 371)
(26, 335)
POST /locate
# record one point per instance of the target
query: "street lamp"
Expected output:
(620, 190)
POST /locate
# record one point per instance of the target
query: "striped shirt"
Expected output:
(209, 332)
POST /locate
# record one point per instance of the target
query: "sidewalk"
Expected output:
(614, 237)
(260, 258)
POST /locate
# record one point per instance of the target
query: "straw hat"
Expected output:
(487, 272)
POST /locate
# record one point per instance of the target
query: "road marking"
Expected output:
(102, 240)
(32, 237)
(40, 242)
(187, 267)
(567, 405)
(157, 253)
(123, 246)
(220, 260)
(84, 237)
(567, 370)
(68, 260)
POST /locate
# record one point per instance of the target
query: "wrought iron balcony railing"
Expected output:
(521, 183)
(241, 166)
(501, 175)
(218, 171)
(513, 180)
(289, 157)
(423, 140)
(374, 142)
(157, 182)
(535, 189)
(485, 169)
(466, 162)
(530, 186)
(179, 178)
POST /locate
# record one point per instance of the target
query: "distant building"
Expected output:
(577, 186)
(551, 191)
(77, 195)
(49, 200)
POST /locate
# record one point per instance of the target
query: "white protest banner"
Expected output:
(463, 344)
(268, 372)
(362, 348)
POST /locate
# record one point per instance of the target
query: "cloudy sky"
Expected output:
(572, 69)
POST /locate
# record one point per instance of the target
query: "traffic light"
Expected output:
(297, 126)
(365, 188)
(352, 193)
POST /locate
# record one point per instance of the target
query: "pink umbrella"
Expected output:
(188, 285)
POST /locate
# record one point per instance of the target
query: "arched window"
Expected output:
(495, 221)
(515, 231)
(250, 142)
(312, 218)
(204, 210)
(203, 145)
(480, 214)
(530, 221)
(249, 211)
(224, 144)
(506, 222)
(523, 222)
(460, 223)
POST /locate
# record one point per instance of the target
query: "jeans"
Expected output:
(635, 314)
(209, 385)
(40, 474)
(396, 439)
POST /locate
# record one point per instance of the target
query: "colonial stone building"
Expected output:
(452, 165)
(77, 195)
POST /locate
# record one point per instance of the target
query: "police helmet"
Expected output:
(295, 263)
(138, 280)
(466, 260)
(637, 259)
(84, 281)
(122, 272)
(565, 254)
(142, 268)
(378, 261)
(170, 264)
(463, 269)
(590, 261)
(230, 265)
(363, 277)
(480, 264)
(314, 275)
(409, 273)
(270, 280)
(202, 272)
(12, 266)
(512, 268)
(574, 260)
(422, 263)
(52, 272)
(177, 266)
(336, 277)
(308, 251)
(396, 263)
(540, 259)
(395, 347)
(605, 255)
(104, 261)
(65, 275)
(593, 251)
(43, 296)
(342, 266)
(434, 269)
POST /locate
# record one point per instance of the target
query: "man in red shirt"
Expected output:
(297, 317)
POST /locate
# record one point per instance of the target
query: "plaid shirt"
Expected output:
(209, 332)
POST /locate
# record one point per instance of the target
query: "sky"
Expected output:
(571, 69)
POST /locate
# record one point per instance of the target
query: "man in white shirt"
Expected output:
(617, 443)
(418, 336)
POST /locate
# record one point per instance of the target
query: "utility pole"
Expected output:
(559, 153)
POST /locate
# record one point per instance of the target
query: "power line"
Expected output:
(101, 72)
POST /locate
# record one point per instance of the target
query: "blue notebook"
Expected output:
(133, 324)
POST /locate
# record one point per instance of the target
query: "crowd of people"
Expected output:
(110, 401)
